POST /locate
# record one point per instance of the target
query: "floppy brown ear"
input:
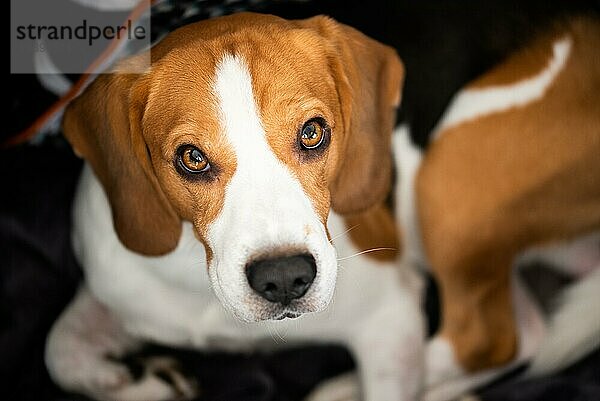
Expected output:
(104, 126)
(369, 77)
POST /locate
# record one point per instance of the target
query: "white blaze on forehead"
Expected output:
(474, 103)
(265, 207)
(258, 169)
(238, 109)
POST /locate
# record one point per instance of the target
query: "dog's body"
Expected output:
(511, 167)
(207, 201)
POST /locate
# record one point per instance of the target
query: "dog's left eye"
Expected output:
(191, 159)
(312, 134)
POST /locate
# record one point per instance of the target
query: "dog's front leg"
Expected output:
(446, 379)
(389, 351)
(82, 352)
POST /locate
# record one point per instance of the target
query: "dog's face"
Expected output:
(250, 127)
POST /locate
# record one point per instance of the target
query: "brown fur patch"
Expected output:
(103, 125)
(375, 228)
(491, 187)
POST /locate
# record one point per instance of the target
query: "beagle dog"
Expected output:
(220, 187)
(512, 173)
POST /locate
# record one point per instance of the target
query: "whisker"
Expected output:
(283, 334)
(279, 339)
(368, 251)
(344, 233)
(270, 330)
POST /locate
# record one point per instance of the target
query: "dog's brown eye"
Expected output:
(192, 160)
(312, 134)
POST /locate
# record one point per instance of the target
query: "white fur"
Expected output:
(573, 329)
(470, 104)
(408, 159)
(344, 387)
(577, 257)
(440, 362)
(574, 323)
(265, 208)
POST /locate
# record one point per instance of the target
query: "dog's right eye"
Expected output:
(191, 160)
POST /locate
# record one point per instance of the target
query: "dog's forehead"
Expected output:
(288, 72)
(254, 36)
(271, 51)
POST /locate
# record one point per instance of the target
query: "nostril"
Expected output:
(300, 282)
(270, 292)
(300, 286)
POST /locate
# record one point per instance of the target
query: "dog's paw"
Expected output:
(150, 378)
(108, 376)
(167, 371)
(340, 388)
(146, 379)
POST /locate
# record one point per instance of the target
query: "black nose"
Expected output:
(282, 279)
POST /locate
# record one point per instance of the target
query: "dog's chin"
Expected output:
(287, 315)
(277, 312)
(251, 308)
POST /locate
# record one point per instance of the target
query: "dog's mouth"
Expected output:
(277, 312)
(288, 315)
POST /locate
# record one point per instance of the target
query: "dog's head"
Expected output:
(251, 127)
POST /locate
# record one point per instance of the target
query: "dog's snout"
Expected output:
(282, 279)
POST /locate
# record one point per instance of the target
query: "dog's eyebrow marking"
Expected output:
(473, 103)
